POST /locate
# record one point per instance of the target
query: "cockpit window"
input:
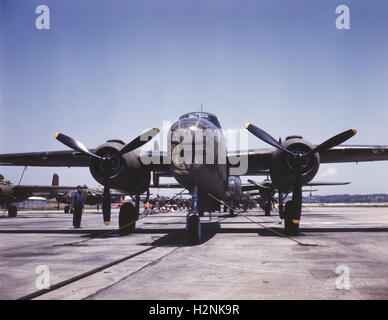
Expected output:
(205, 115)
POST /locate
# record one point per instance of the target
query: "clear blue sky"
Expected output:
(110, 69)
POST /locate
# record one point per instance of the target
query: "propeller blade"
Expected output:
(137, 142)
(156, 146)
(264, 136)
(106, 205)
(260, 186)
(334, 141)
(74, 144)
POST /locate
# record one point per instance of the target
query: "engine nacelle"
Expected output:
(234, 187)
(283, 164)
(127, 172)
(270, 192)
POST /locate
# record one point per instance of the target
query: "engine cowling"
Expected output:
(270, 192)
(282, 170)
(127, 172)
(234, 187)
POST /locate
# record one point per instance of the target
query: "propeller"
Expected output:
(263, 188)
(106, 203)
(137, 142)
(74, 144)
(299, 158)
(108, 161)
(261, 134)
(328, 144)
(259, 185)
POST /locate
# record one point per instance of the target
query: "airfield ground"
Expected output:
(239, 258)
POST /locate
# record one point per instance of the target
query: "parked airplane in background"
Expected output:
(114, 164)
(11, 193)
(267, 193)
(92, 197)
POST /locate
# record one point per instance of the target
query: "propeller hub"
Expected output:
(108, 165)
(298, 162)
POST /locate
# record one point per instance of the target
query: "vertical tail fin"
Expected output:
(55, 182)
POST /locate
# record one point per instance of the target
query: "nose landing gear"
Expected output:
(193, 221)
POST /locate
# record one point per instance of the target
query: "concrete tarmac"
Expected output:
(341, 254)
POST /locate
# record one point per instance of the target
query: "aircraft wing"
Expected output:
(167, 186)
(325, 183)
(259, 160)
(68, 158)
(353, 153)
(248, 187)
(42, 189)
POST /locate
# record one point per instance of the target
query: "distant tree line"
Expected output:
(347, 198)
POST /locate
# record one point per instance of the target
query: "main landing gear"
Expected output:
(293, 210)
(128, 216)
(291, 220)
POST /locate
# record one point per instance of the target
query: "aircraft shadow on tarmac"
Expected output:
(175, 237)
(270, 232)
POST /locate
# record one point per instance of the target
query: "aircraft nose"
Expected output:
(185, 143)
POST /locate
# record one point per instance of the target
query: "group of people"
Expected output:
(161, 203)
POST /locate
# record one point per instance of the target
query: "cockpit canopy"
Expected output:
(204, 115)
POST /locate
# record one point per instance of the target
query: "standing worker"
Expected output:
(77, 207)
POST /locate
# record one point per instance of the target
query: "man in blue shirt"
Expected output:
(77, 207)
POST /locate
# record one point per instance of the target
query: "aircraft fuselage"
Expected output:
(198, 154)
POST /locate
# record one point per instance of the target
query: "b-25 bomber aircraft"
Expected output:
(11, 193)
(267, 191)
(114, 164)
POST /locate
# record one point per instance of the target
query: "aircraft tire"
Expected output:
(193, 229)
(12, 212)
(290, 228)
(66, 209)
(128, 216)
